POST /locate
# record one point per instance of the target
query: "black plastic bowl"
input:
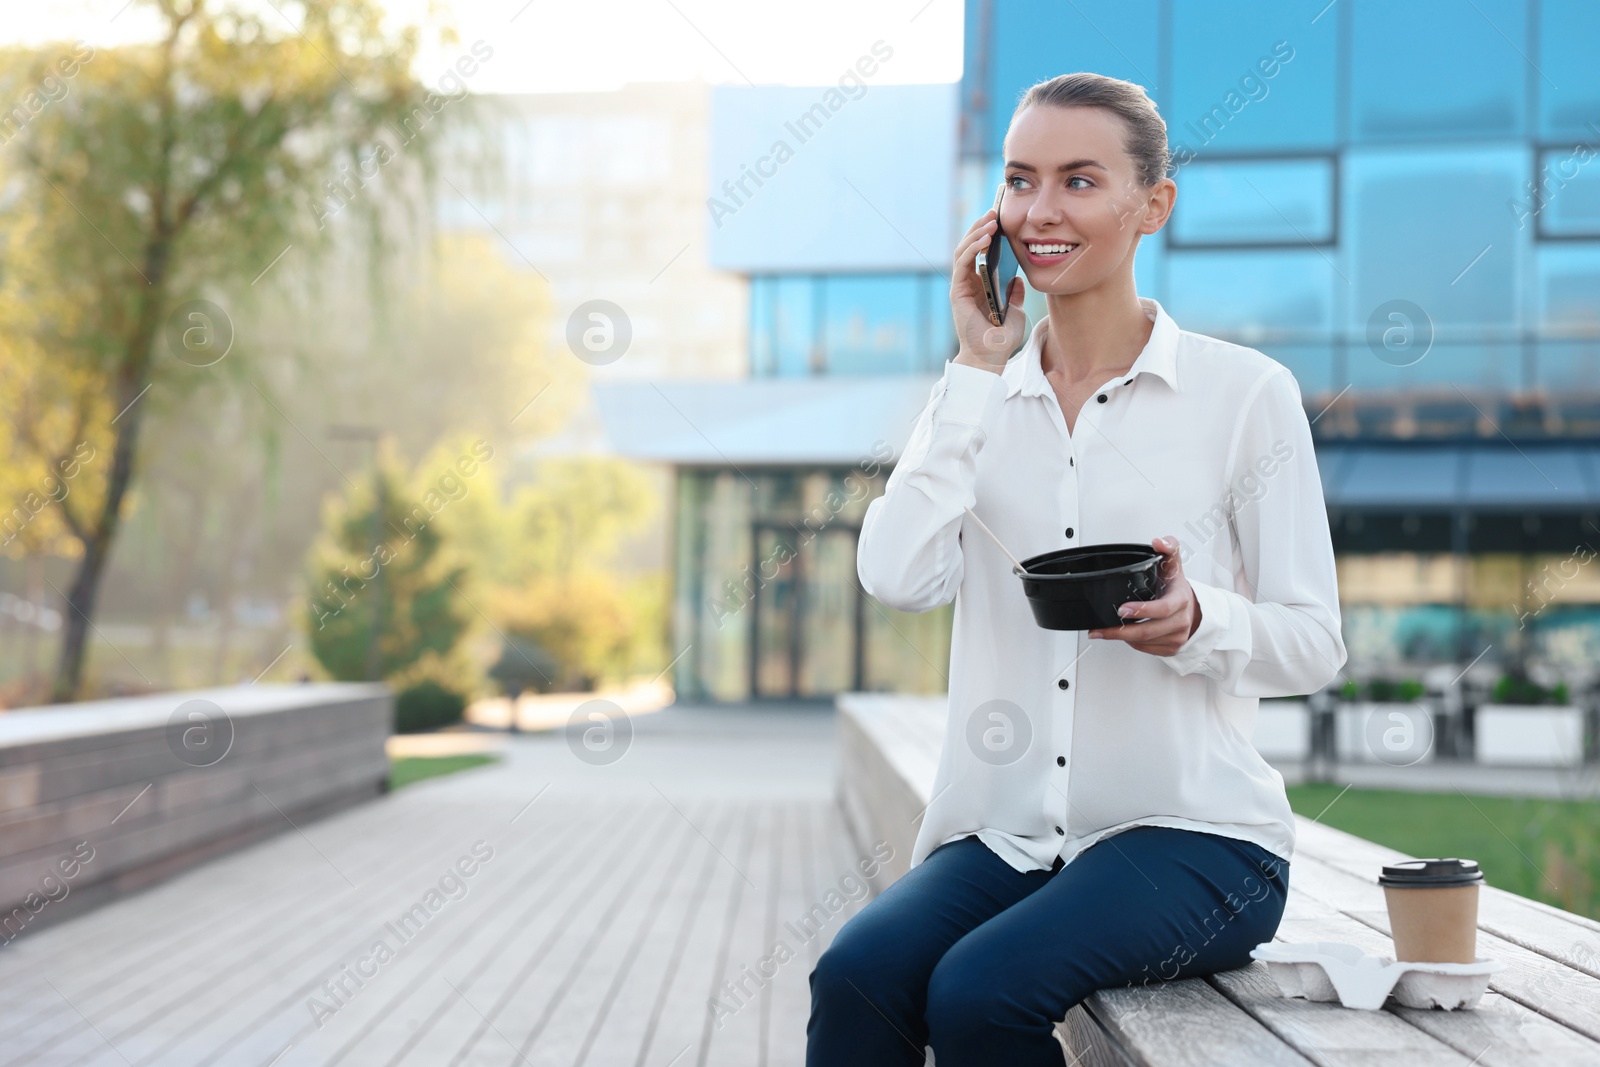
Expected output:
(1081, 588)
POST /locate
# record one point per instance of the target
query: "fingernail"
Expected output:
(1125, 611)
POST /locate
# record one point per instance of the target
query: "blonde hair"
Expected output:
(1146, 140)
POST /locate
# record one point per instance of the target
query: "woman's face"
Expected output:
(1069, 181)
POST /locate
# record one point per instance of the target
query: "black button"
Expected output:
(1060, 831)
(1062, 684)
(1061, 761)
(1071, 462)
(1101, 398)
(1069, 531)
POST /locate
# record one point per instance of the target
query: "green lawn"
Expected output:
(1545, 849)
(415, 768)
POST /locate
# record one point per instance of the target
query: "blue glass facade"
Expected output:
(804, 324)
(1330, 159)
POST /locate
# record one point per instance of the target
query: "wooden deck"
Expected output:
(616, 905)
(1544, 1008)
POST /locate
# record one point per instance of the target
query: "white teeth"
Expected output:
(1050, 250)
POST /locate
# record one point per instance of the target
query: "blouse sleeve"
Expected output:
(909, 556)
(1283, 638)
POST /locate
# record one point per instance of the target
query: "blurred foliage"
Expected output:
(1514, 688)
(383, 570)
(427, 705)
(577, 623)
(148, 176)
(545, 551)
(1403, 690)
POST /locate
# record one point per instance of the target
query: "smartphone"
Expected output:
(996, 266)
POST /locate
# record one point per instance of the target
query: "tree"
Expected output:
(149, 177)
(385, 589)
(546, 555)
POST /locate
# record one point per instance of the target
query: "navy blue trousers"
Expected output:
(980, 962)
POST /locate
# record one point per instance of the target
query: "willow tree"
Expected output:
(144, 186)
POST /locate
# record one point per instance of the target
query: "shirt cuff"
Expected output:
(972, 396)
(1216, 619)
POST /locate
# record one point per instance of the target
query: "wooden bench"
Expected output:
(1543, 1008)
(107, 796)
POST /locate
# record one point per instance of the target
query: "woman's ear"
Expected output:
(1158, 207)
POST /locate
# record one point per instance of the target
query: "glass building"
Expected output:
(1400, 201)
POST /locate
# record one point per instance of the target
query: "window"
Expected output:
(1568, 80)
(1037, 39)
(1563, 197)
(1438, 68)
(1282, 202)
(1250, 74)
(1568, 356)
(1248, 295)
(870, 323)
(1569, 278)
(794, 325)
(1433, 228)
(849, 324)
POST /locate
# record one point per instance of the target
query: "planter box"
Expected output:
(1283, 730)
(1400, 734)
(1528, 735)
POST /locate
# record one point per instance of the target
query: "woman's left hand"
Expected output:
(1160, 627)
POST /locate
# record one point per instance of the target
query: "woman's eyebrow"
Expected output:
(1074, 165)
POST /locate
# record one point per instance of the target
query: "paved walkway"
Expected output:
(550, 910)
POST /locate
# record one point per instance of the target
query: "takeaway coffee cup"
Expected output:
(1433, 909)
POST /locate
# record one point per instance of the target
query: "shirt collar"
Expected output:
(1024, 373)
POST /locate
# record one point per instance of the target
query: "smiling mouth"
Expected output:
(1049, 251)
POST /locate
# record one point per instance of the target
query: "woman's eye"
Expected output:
(1079, 178)
(1013, 179)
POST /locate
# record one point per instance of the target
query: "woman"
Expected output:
(1099, 817)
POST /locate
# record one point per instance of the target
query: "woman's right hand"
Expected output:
(983, 344)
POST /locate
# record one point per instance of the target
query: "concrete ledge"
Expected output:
(113, 781)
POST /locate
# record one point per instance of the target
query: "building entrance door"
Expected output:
(805, 629)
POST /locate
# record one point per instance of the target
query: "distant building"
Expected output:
(1402, 208)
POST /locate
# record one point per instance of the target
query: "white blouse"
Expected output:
(1054, 741)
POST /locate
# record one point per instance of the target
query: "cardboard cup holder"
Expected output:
(1332, 970)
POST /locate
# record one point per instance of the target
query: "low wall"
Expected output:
(102, 797)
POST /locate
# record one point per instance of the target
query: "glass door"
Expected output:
(806, 623)
(775, 635)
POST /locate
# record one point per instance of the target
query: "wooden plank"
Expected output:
(1330, 1034)
(789, 1006)
(154, 1014)
(475, 1007)
(733, 1033)
(623, 1034)
(685, 1021)
(268, 1022)
(432, 995)
(1502, 1033)
(577, 1008)
(659, 1040)
(120, 1008)
(1185, 1023)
